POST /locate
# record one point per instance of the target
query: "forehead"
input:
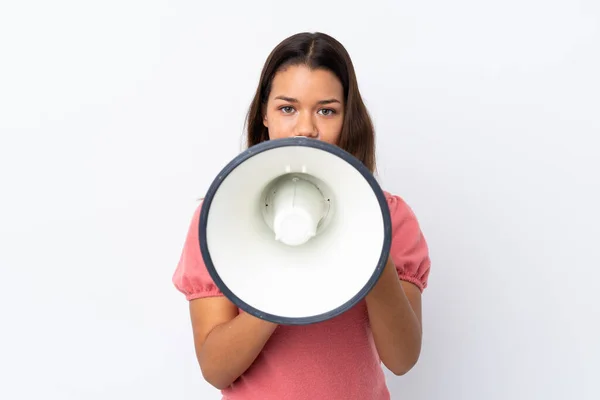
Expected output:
(306, 84)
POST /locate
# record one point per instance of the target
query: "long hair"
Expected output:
(317, 51)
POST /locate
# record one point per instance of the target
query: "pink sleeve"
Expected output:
(191, 276)
(409, 250)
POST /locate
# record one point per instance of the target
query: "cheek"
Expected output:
(280, 126)
(331, 130)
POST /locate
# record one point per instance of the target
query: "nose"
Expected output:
(306, 126)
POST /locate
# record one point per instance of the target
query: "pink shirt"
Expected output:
(332, 360)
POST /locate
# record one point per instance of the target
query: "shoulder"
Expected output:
(409, 249)
(191, 276)
(398, 207)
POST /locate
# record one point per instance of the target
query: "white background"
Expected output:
(116, 115)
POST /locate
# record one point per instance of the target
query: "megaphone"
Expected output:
(295, 231)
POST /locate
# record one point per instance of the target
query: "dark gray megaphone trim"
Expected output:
(306, 142)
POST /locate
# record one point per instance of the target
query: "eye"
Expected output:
(327, 112)
(287, 109)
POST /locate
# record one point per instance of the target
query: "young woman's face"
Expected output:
(305, 102)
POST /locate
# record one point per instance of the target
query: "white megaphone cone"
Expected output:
(295, 230)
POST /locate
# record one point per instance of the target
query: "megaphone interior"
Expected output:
(295, 231)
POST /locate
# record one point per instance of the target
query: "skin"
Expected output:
(305, 102)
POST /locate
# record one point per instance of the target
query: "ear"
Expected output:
(265, 121)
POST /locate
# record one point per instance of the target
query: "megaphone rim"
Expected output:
(306, 142)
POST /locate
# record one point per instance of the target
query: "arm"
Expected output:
(394, 309)
(226, 342)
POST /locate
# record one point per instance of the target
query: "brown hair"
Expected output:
(317, 51)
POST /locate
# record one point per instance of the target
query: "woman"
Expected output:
(308, 87)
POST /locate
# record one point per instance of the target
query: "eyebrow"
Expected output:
(292, 100)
